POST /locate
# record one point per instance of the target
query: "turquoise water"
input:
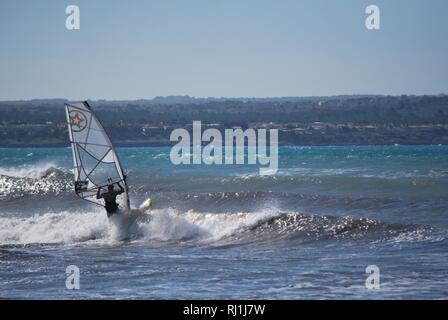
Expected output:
(226, 232)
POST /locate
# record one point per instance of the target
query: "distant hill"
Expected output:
(357, 119)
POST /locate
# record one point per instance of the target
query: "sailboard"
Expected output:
(96, 163)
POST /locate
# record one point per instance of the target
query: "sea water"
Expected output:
(308, 232)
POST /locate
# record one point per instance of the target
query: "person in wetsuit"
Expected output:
(110, 198)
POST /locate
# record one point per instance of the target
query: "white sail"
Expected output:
(96, 163)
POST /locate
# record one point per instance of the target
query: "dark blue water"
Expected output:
(310, 231)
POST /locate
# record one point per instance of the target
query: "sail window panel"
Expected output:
(104, 174)
(99, 172)
(97, 138)
(98, 152)
(87, 161)
(95, 125)
(109, 157)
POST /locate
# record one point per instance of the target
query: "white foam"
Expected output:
(417, 235)
(63, 227)
(162, 225)
(34, 171)
(170, 224)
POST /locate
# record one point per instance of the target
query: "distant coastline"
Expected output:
(155, 145)
(301, 121)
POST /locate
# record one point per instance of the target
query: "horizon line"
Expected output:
(232, 97)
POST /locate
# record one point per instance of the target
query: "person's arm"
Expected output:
(121, 188)
(98, 195)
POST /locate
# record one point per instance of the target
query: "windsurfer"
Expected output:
(110, 198)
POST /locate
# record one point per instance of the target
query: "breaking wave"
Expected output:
(35, 171)
(164, 226)
(16, 182)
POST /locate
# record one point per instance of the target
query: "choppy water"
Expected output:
(226, 232)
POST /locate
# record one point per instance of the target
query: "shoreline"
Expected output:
(161, 145)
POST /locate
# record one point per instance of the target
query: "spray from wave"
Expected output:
(35, 171)
(161, 225)
(43, 178)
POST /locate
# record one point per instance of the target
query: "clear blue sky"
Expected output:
(233, 48)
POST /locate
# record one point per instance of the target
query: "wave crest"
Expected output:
(35, 171)
(217, 229)
(16, 182)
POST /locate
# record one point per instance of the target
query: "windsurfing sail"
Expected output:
(96, 164)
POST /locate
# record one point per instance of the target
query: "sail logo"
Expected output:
(78, 120)
(231, 150)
